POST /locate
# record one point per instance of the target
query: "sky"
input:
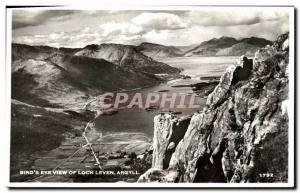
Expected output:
(78, 28)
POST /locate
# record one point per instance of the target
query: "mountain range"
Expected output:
(223, 46)
(127, 57)
(159, 51)
(61, 75)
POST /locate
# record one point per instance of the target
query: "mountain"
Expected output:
(227, 46)
(42, 75)
(211, 47)
(159, 51)
(238, 50)
(186, 48)
(127, 57)
(55, 94)
(241, 133)
(245, 46)
(223, 46)
(260, 42)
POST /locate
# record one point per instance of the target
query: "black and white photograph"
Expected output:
(183, 96)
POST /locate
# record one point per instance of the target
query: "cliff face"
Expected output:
(239, 136)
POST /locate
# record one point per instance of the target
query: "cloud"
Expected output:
(125, 28)
(160, 21)
(144, 24)
(157, 36)
(61, 39)
(232, 18)
(24, 18)
(77, 28)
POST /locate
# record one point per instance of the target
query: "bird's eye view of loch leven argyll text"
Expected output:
(140, 96)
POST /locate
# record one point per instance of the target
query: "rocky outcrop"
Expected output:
(242, 132)
(168, 131)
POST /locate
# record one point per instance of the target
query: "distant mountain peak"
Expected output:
(228, 45)
(154, 50)
(256, 41)
(127, 56)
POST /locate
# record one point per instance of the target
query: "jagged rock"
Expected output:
(233, 74)
(241, 133)
(162, 134)
(221, 90)
(167, 133)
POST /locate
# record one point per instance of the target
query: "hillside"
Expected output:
(260, 42)
(238, 50)
(227, 46)
(245, 46)
(211, 47)
(127, 57)
(63, 79)
(159, 51)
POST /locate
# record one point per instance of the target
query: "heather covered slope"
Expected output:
(240, 135)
